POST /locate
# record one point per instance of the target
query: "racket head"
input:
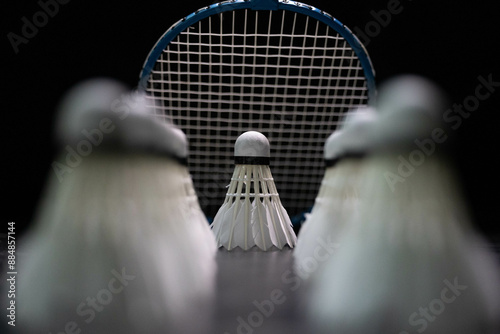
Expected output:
(232, 5)
(283, 68)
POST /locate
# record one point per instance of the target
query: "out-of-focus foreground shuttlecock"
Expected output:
(201, 226)
(337, 198)
(410, 260)
(114, 248)
(252, 213)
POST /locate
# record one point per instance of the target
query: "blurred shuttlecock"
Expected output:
(410, 260)
(252, 213)
(337, 198)
(197, 217)
(113, 248)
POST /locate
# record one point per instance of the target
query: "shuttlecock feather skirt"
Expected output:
(335, 204)
(409, 262)
(116, 216)
(252, 213)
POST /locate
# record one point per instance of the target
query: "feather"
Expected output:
(252, 214)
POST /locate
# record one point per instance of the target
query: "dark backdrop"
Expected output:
(447, 41)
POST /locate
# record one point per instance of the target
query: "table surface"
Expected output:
(258, 291)
(255, 293)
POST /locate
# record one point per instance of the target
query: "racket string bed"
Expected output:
(281, 72)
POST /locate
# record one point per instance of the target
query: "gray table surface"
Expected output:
(258, 292)
(255, 293)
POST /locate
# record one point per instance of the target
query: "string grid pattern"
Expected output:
(282, 73)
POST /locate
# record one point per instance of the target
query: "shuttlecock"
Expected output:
(410, 261)
(197, 217)
(252, 213)
(114, 248)
(337, 198)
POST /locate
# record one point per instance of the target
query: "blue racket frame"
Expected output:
(230, 5)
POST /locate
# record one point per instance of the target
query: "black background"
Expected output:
(450, 42)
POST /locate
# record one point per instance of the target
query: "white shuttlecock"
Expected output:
(114, 248)
(337, 199)
(410, 108)
(197, 217)
(252, 213)
(410, 260)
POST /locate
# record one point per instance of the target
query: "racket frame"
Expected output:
(262, 5)
(230, 5)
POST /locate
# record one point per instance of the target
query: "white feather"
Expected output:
(114, 212)
(126, 210)
(199, 221)
(337, 198)
(248, 219)
(261, 224)
(397, 255)
(410, 260)
(334, 206)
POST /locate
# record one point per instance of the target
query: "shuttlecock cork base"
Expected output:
(252, 216)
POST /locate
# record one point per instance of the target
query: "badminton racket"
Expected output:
(283, 68)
